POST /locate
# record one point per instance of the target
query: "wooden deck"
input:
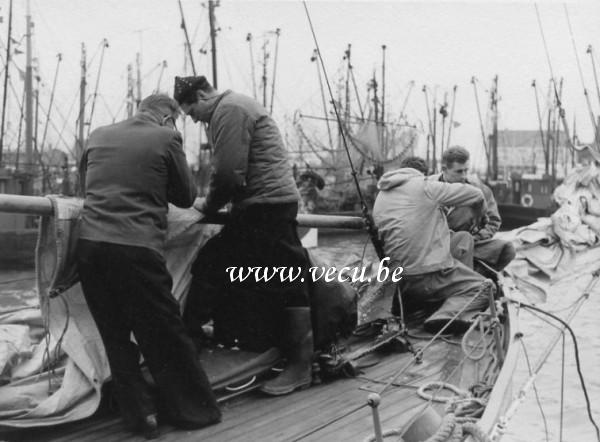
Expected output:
(332, 411)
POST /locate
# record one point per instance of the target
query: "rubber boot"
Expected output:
(299, 352)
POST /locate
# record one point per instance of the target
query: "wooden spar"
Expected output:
(213, 40)
(188, 46)
(315, 58)
(494, 134)
(29, 168)
(252, 66)
(277, 34)
(39, 205)
(43, 143)
(95, 95)
(5, 89)
(82, 95)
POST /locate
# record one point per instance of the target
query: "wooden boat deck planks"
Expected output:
(259, 417)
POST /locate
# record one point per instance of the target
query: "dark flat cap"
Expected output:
(185, 87)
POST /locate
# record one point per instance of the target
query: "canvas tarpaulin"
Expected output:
(56, 377)
(562, 245)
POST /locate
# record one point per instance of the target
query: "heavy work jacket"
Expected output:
(409, 214)
(249, 163)
(492, 216)
(129, 171)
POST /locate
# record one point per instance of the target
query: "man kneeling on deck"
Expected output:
(408, 213)
(494, 252)
(129, 172)
(250, 171)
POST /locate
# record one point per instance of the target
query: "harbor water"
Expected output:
(565, 415)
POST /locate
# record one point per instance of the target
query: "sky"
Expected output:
(435, 44)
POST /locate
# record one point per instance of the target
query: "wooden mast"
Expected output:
(5, 89)
(264, 75)
(29, 166)
(188, 46)
(252, 66)
(277, 34)
(494, 135)
(129, 90)
(82, 87)
(59, 59)
(383, 140)
(138, 80)
(213, 39)
(315, 58)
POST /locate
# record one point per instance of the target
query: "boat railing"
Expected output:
(42, 206)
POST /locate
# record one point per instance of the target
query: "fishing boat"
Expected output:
(379, 137)
(388, 377)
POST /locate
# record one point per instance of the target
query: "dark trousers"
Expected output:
(128, 289)
(249, 313)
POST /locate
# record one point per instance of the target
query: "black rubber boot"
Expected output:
(299, 352)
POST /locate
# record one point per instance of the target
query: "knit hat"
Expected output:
(185, 87)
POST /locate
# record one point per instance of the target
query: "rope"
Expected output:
(369, 222)
(385, 433)
(577, 361)
(440, 386)
(465, 338)
(455, 428)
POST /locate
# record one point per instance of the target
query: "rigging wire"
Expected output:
(539, 115)
(577, 361)
(451, 123)
(561, 111)
(485, 145)
(370, 224)
(585, 92)
(562, 389)
(591, 52)
(535, 391)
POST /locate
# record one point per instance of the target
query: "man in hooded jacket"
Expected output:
(409, 214)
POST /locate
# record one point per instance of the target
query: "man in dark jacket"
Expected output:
(496, 253)
(129, 172)
(250, 171)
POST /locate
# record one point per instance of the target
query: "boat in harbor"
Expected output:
(387, 369)
(388, 378)
(384, 378)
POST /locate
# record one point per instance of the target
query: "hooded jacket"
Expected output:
(494, 221)
(411, 222)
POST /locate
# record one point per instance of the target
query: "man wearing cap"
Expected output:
(129, 171)
(250, 170)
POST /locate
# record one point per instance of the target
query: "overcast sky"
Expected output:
(438, 44)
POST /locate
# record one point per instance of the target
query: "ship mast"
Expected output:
(82, 86)
(28, 105)
(384, 146)
(213, 39)
(494, 134)
(252, 67)
(4, 96)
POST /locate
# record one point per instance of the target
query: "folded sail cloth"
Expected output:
(78, 363)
